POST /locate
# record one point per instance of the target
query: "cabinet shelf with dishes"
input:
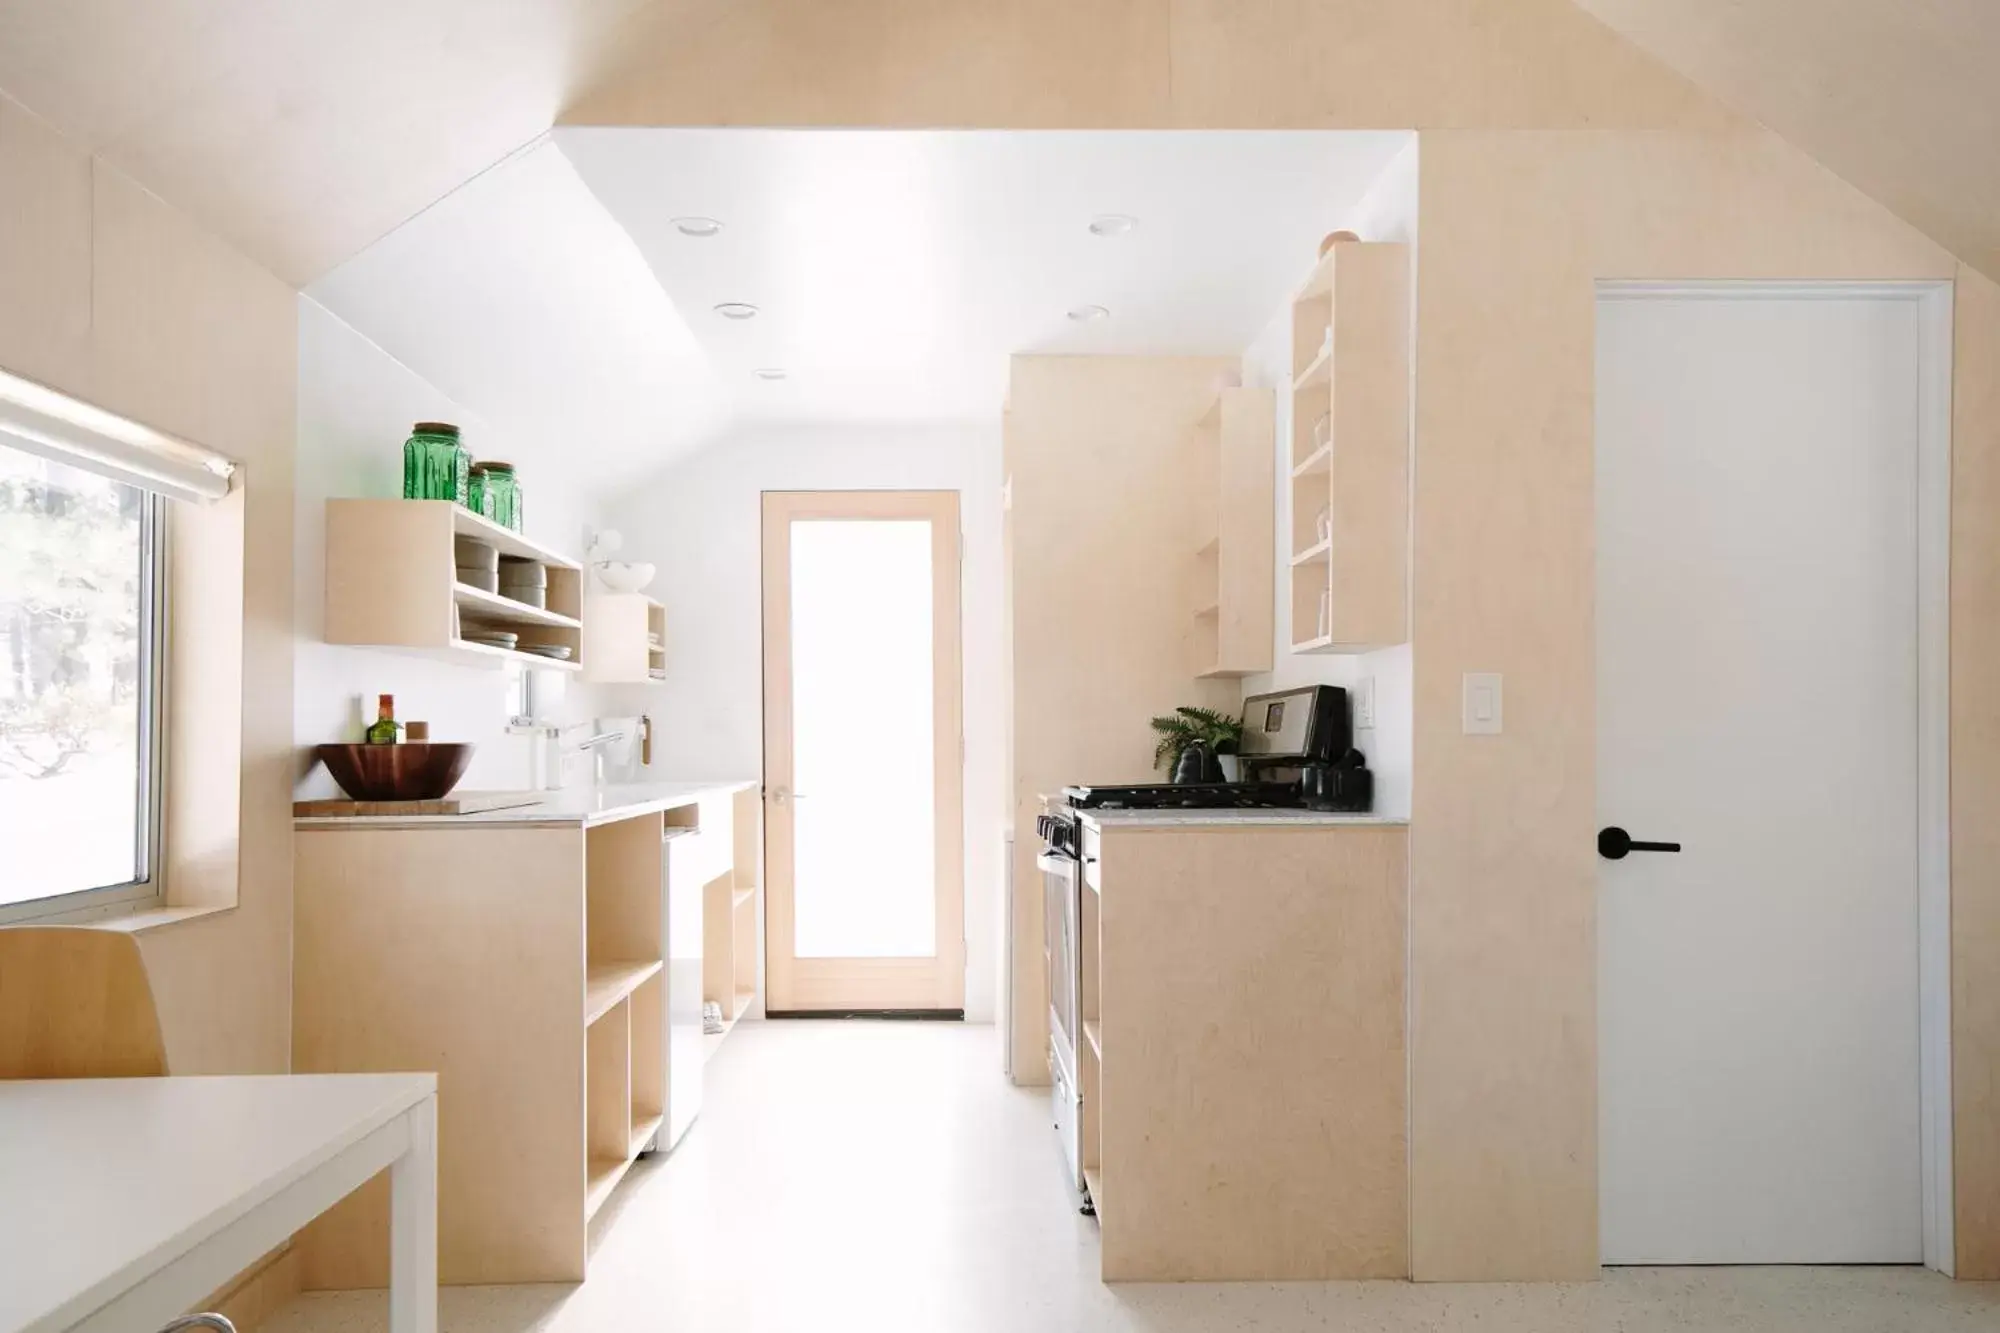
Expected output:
(1232, 559)
(1350, 451)
(392, 581)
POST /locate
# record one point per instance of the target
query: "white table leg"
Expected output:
(413, 1300)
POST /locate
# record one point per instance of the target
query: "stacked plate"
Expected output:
(478, 563)
(489, 637)
(555, 651)
(524, 581)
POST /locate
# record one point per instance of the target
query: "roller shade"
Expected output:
(54, 425)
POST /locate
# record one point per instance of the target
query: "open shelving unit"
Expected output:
(624, 1000)
(1350, 451)
(729, 919)
(392, 582)
(1232, 558)
(624, 638)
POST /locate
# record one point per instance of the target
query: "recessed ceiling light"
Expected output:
(1088, 314)
(771, 373)
(692, 226)
(736, 310)
(1112, 224)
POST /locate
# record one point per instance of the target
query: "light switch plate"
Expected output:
(1362, 696)
(1482, 703)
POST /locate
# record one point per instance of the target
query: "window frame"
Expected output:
(149, 890)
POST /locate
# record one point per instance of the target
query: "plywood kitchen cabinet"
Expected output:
(624, 639)
(392, 582)
(1350, 451)
(547, 963)
(1242, 1065)
(1233, 503)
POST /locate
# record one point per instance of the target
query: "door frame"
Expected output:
(934, 985)
(1933, 302)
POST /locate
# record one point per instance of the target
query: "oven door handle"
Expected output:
(1052, 863)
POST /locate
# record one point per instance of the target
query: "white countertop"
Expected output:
(1103, 819)
(107, 1180)
(580, 807)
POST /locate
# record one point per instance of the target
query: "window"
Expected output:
(80, 653)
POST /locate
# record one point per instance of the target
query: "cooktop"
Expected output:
(1188, 796)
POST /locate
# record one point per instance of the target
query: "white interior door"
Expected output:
(1757, 703)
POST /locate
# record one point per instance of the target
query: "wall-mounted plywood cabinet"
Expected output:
(1350, 451)
(392, 582)
(1232, 585)
(624, 638)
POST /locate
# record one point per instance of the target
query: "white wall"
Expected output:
(700, 522)
(356, 405)
(1388, 212)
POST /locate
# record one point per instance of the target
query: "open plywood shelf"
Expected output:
(605, 984)
(1350, 362)
(392, 582)
(603, 1177)
(1316, 373)
(730, 929)
(643, 1132)
(1319, 460)
(625, 999)
(491, 608)
(1231, 598)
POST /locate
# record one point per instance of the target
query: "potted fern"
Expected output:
(1220, 732)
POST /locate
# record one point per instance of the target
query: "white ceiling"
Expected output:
(522, 300)
(897, 270)
(305, 129)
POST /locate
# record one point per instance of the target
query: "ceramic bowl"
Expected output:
(621, 577)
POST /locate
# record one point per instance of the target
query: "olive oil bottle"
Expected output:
(384, 731)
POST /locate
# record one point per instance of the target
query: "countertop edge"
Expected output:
(537, 816)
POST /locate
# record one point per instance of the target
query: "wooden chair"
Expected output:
(75, 1003)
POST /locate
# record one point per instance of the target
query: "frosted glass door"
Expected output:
(865, 823)
(864, 798)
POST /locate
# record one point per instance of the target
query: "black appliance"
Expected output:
(1298, 754)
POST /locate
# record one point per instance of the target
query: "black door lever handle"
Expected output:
(1615, 844)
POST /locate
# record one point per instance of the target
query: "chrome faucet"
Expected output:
(594, 746)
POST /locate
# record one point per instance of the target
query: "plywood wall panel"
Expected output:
(1516, 229)
(1032, 64)
(110, 294)
(1100, 454)
(1975, 775)
(1357, 64)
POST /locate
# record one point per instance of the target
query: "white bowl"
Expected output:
(621, 577)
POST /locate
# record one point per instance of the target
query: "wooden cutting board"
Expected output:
(458, 803)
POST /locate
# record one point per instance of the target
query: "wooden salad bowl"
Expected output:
(414, 771)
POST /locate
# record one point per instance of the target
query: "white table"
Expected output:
(125, 1201)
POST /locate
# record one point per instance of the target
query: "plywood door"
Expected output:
(803, 975)
(1757, 703)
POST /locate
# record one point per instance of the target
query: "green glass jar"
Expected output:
(496, 494)
(435, 465)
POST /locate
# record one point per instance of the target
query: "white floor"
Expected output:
(884, 1176)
